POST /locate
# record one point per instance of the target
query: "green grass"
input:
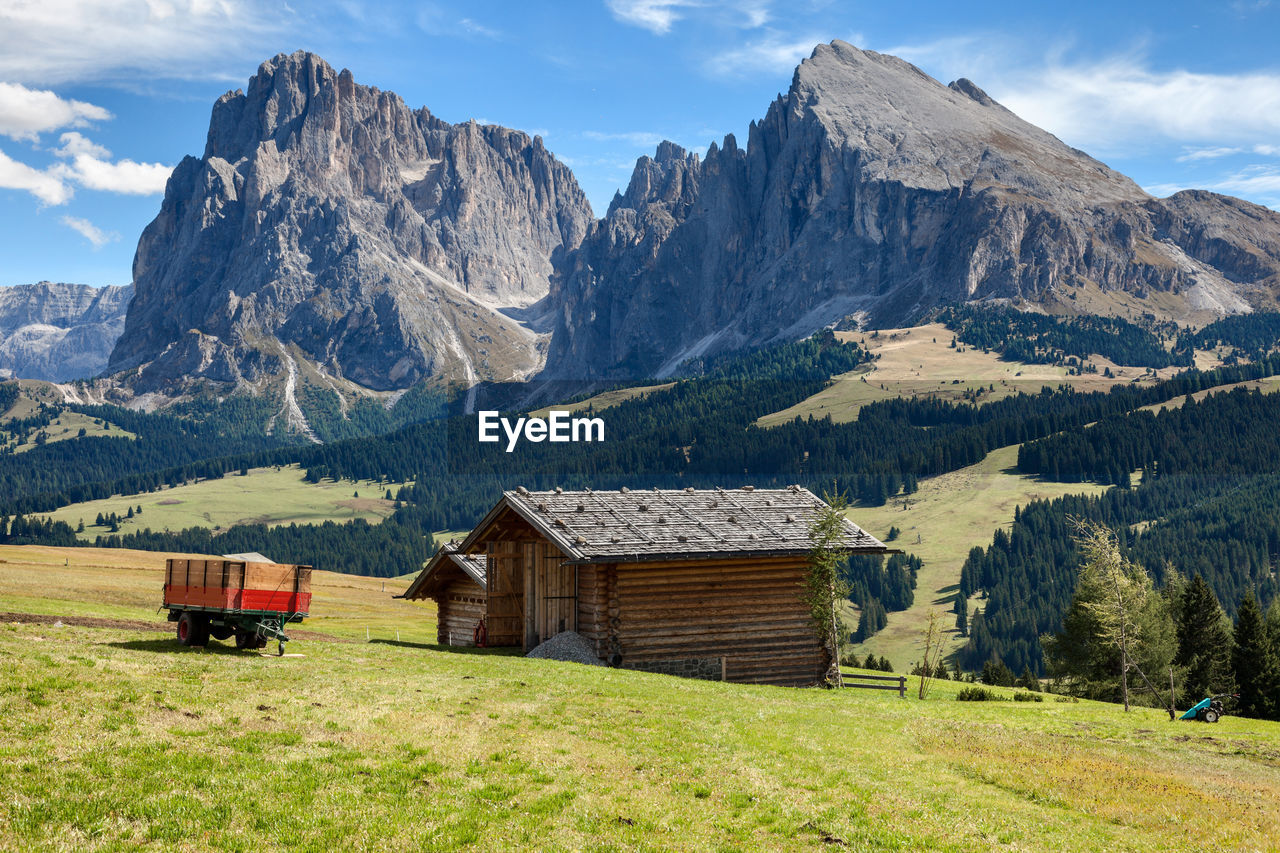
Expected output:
(944, 519)
(265, 496)
(115, 739)
(920, 363)
(65, 426)
(604, 399)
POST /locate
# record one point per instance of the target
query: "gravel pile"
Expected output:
(567, 645)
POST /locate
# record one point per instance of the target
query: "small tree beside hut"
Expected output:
(825, 586)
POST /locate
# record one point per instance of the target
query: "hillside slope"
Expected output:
(402, 745)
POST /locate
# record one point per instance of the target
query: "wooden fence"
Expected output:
(899, 682)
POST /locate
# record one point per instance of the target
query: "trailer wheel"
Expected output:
(1210, 716)
(244, 640)
(201, 625)
(186, 629)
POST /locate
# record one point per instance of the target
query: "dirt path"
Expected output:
(134, 625)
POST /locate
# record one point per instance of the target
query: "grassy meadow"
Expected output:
(276, 495)
(919, 362)
(940, 523)
(115, 737)
(604, 400)
(65, 426)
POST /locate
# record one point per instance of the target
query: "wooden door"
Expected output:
(557, 594)
(505, 606)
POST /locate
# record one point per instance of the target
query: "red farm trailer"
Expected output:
(250, 601)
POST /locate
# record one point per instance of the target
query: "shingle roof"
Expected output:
(473, 565)
(643, 525)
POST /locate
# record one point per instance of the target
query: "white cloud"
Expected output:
(1258, 183)
(26, 113)
(1251, 181)
(1212, 153)
(56, 41)
(476, 28)
(658, 16)
(637, 138)
(86, 163)
(953, 56)
(76, 143)
(89, 231)
(435, 20)
(88, 166)
(1118, 104)
(1112, 104)
(1164, 190)
(1267, 150)
(48, 187)
(771, 55)
(123, 176)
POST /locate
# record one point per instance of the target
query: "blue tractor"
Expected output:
(1208, 710)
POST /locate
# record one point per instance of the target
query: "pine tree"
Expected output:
(1204, 642)
(995, 672)
(1028, 679)
(1273, 626)
(1115, 625)
(1253, 658)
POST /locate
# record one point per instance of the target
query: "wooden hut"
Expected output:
(457, 583)
(698, 582)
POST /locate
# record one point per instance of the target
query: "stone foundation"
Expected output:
(707, 669)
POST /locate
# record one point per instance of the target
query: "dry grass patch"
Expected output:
(272, 496)
(919, 362)
(123, 584)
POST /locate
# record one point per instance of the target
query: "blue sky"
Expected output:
(100, 98)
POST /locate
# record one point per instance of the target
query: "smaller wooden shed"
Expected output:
(459, 586)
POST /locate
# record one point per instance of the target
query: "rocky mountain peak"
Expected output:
(965, 86)
(911, 128)
(328, 224)
(872, 191)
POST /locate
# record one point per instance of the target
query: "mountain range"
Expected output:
(331, 236)
(57, 332)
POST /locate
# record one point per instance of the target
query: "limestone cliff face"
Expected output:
(873, 190)
(58, 332)
(328, 224)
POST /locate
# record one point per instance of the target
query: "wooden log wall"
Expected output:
(459, 607)
(592, 603)
(750, 612)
